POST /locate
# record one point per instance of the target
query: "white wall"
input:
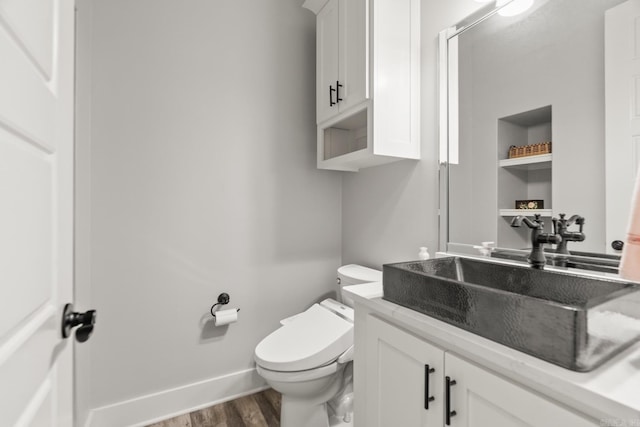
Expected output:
(202, 180)
(389, 211)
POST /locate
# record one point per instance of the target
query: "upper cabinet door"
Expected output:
(396, 77)
(327, 33)
(354, 54)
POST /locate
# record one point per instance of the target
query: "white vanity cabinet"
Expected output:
(396, 369)
(367, 81)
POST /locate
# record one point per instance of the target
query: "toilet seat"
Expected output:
(312, 339)
(298, 376)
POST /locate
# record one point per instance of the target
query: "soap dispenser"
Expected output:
(486, 248)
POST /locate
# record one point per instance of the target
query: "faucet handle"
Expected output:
(537, 223)
(538, 218)
(576, 219)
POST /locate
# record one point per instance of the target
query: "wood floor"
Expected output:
(256, 410)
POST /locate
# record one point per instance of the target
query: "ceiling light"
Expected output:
(513, 8)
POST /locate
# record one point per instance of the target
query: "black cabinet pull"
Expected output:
(338, 86)
(618, 245)
(331, 90)
(427, 398)
(448, 412)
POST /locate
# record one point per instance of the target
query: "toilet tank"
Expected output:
(354, 274)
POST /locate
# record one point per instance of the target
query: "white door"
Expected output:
(36, 208)
(481, 399)
(404, 378)
(622, 105)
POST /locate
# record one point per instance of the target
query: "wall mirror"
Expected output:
(557, 82)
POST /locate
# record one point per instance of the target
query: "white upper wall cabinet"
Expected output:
(368, 81)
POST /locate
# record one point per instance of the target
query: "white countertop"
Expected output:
(611, 391)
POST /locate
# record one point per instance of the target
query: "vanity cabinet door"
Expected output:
(399, 383)
(481, 398)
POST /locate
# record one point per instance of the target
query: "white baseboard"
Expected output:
(155, 407)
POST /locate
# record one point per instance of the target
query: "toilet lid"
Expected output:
(314, 338)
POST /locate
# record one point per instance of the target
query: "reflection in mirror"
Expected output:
(528, 128)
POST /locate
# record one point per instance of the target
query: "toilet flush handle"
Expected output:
(347, 356)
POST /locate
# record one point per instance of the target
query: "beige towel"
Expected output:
(630, 263)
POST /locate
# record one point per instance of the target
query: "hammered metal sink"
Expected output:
(573, 321)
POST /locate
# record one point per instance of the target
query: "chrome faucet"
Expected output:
(560, 227)
(538, 238)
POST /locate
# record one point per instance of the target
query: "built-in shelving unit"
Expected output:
(523, 178)
(529, 163)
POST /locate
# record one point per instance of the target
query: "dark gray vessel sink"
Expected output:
(573, 321)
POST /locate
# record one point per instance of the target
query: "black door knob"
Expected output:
(71, 319)
(617, 245)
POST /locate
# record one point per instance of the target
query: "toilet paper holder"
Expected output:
(223, 299)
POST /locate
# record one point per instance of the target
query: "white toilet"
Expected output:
(308, 359)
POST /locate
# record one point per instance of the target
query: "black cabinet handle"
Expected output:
(618, 245)
(338, 86)
(331, 90)
(427, 397)
(448, 412)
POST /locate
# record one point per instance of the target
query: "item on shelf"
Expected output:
(529, 204)
(530, 150)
